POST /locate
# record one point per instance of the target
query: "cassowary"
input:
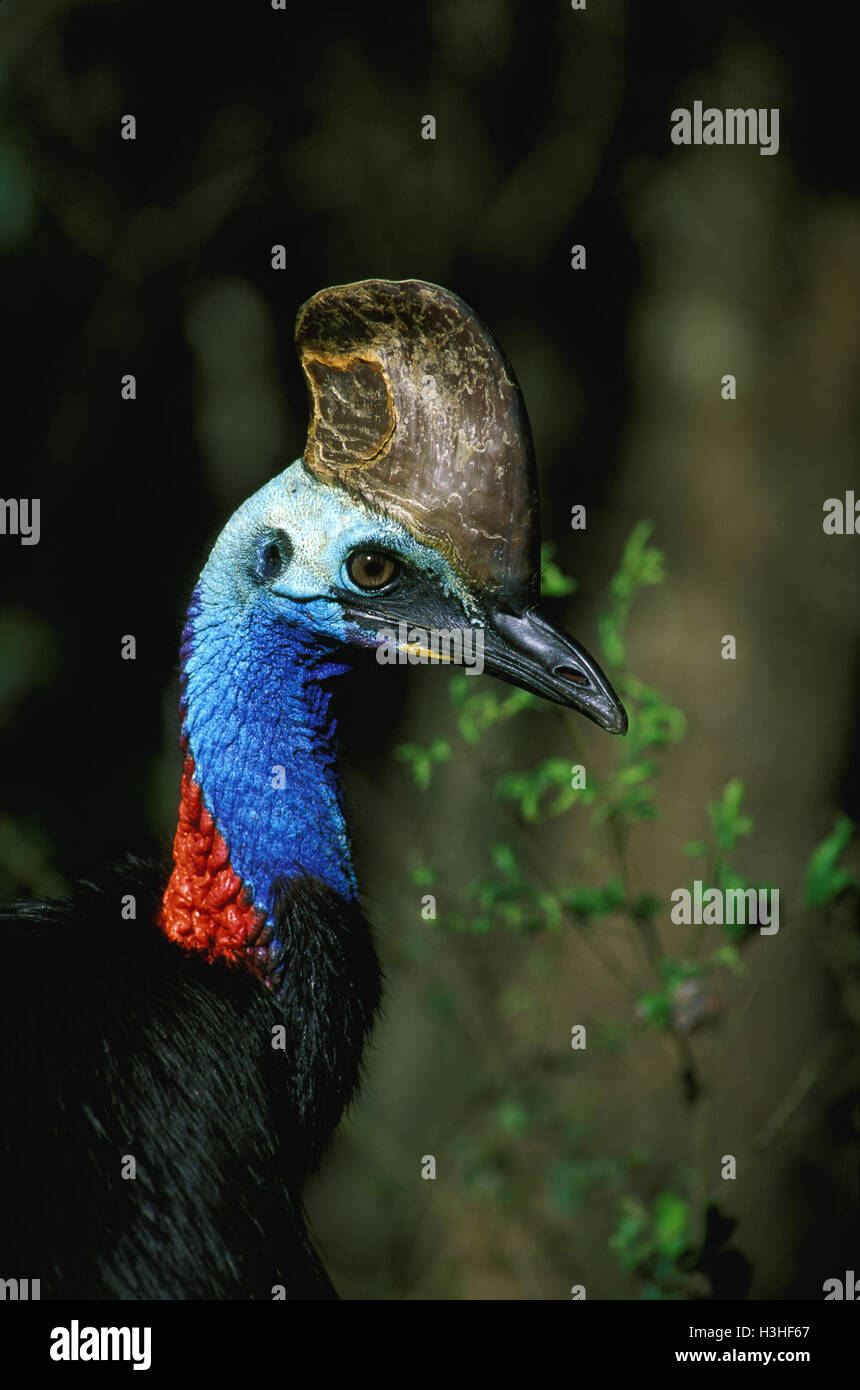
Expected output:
(169, 1082)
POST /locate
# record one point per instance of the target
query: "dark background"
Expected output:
(257, 127)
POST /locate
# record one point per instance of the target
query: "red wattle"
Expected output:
(205, 905)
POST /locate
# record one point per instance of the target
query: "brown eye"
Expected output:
(370, 569)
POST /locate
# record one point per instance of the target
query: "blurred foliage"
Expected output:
(826, 878)
(423, 760)
(661, 1241)
(16, 199)
(652, 1241)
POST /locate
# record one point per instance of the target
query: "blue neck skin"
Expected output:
(256, 714)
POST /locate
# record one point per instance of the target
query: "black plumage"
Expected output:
(117, 1043)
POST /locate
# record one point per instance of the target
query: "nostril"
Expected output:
(570, 673)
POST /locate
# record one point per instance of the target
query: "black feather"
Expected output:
(116, 1042)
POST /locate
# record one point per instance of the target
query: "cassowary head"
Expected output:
(415, 505)
(412, 514)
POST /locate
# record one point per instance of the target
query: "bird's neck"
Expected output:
(260, 800)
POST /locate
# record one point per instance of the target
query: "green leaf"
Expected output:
(505, 860)
(631, 1238)
(645, 906)
(641, 565)
(671, 1215)
(553, 583)
(422, 876)
(512, 1117)
(825, 878)
(729, 957)
(479, 707)
(599, 901)
(423, 760)
(727, 819)
(674, 970)
(551, 908)
(655, 1009)
(654, 723)
(530, 789)
(696, 849)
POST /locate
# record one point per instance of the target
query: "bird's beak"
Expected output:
(526, 650)
(518, 645)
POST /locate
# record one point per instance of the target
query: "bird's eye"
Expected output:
(371, 569)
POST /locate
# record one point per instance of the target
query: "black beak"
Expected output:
(520, 647)
(526, 650)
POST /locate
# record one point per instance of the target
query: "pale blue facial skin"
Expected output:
(257, 663)
(325, 526)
